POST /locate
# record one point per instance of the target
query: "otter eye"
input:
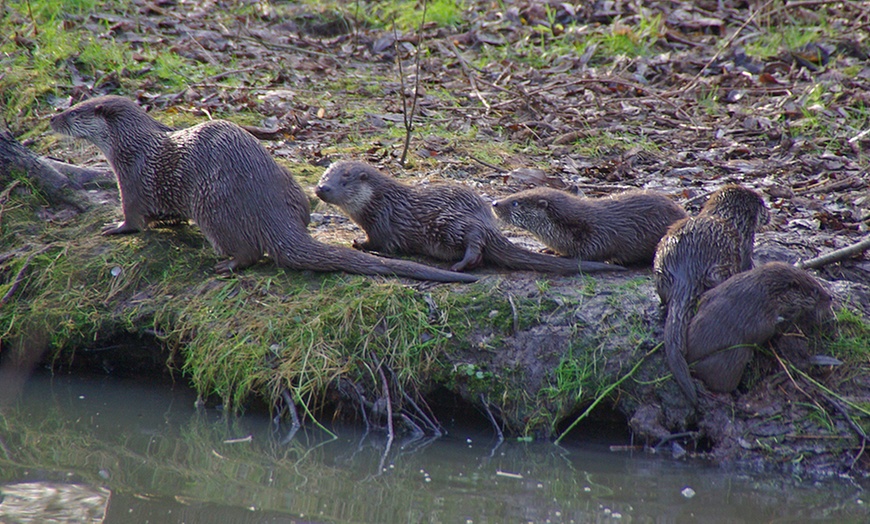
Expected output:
(515, 204)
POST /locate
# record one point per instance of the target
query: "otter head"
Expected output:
(741, 206)
(524, 209)
(804, 298)
(95, 119)
(347, 185)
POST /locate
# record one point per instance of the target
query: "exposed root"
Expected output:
(492, 420)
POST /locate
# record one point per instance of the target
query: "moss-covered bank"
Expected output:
(534, 351)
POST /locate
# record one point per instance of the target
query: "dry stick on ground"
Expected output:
(409, 116)
(836, 256)
(464, 65)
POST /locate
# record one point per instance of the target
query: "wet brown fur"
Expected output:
(698, 254)
(445, 222)
(623, 229)
(222, 178)
(747, 310)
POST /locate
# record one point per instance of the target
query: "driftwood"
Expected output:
(59, 181)
(836, 256)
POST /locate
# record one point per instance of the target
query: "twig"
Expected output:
(409, 116)
(492, 419)
(836, 255)
(19, 277)
(385, 388)
(390, 432)
(487, 164)
(674, 436)
(432, 423)
(464, 65)
(361, 399)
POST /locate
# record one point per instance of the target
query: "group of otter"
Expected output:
(246, 205)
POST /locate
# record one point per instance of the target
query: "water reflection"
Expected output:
(164, 461)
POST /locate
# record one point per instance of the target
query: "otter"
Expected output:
(221, 177)
(623, 229)
(745, 311)
(745, 210)
(697, 254)
(445, 222)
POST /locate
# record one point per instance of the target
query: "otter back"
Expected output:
(623, 228)
(745, 311)
(444, 222)
(220, 176)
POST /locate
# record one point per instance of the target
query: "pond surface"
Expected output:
(79, 449)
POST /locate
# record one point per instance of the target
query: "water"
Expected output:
(78, 449)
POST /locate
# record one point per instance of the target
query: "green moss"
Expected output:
(851, 337)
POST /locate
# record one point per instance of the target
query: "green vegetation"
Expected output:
(781, 38)
(333, 86)
(851, 340)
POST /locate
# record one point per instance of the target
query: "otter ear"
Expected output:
(103, 110)
(363, 175)
(543, 204)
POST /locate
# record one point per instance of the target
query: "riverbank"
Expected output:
(535, 352)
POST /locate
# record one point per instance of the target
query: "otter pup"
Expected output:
(445, 222)
(697, 254)
(221, 177)
(745, 311)
(623, 229)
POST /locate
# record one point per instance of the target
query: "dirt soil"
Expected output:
(499, 110)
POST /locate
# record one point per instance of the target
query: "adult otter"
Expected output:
(445, 222)
(744, 311)
(697, 254)
(221, 177)
(623, 229)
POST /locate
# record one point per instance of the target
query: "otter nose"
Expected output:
(321, 189)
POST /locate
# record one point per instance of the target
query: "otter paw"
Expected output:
(225, 268)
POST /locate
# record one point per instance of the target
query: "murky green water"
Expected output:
(80, 449)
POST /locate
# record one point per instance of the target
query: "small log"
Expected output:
(60, 187)
(836, 256)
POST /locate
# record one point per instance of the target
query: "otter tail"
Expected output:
(676, 333)
(315, 256)
(502, 252)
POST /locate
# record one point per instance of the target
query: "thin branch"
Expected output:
(464, 65)
(492, 419)
(409, 115)
(836, 256)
